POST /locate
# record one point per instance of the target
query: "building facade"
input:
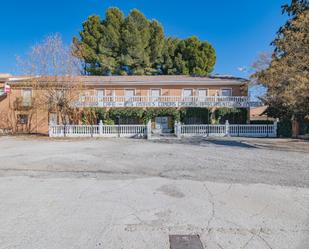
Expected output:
(110, 94)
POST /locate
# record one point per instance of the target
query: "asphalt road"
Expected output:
(269, 161)
(118, 194)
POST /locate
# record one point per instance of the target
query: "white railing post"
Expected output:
(50, 130)
(177, 128)
(100, 128)
(227, 128)
(148, 129)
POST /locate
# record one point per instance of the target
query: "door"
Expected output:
(100, 97)
(162, 123)
(202, 94)
(187, 95)
(129, 94)
(155, 94)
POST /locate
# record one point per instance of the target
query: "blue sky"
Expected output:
(239, 29)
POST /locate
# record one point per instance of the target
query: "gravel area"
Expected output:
(229, 160)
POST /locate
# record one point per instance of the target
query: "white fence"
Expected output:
(192, 130)
(98, 130)
(101, 130)
(250, 130)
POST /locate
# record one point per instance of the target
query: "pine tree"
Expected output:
(135, 42)
(110, 45)
(88, 48)
(135, 45)
(156, 45)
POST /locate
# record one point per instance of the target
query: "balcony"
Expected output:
(167, 101)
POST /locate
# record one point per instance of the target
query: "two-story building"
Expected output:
(108, 93)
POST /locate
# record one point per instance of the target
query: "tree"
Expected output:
(135, 43)
(52, 72)
(138, 46)
(286, 73)
(110, 45)
(156, 44)
(89, 47)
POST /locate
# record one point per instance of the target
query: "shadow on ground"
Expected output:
(207, 141)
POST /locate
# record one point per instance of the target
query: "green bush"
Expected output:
(233, 115)
(195, 115)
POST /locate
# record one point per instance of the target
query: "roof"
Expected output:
(136, 80)
(4, 77)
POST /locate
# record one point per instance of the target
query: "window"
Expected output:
(100, 93)
(129, 94)
(226, 92)
(155, 94)
(27, 95)
(187, 94)
(22, 119)
(202, 94)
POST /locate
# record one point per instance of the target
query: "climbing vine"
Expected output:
(233, 115)
(185, 115)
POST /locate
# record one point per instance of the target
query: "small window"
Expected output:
(22, 119)
(226, 92)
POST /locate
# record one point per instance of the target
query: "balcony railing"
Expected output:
(166, 101)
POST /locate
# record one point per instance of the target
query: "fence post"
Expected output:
(227, 128)
(177, 128)
(148, 129)
(100, 128)
(50, 131)
(276, 128)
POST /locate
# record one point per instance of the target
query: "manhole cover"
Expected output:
(185, 242)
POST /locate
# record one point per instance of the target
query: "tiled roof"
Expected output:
(138, 80)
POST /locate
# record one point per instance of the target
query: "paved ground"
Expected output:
(110, 194)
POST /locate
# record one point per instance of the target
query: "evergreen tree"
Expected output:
(135, 45)
(110, 45)
(88, 48)
(156, 45)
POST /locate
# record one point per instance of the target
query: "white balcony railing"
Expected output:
(166, 101)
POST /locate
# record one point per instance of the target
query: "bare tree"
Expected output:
(53, 72)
